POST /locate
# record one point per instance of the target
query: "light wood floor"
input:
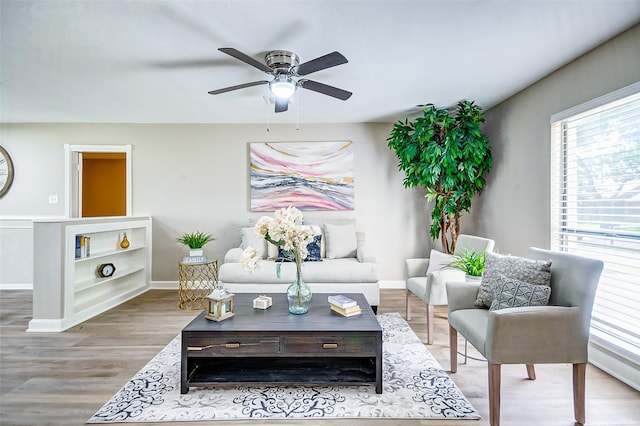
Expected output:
(63, 378)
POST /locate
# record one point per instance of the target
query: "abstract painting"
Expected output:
(307, 175)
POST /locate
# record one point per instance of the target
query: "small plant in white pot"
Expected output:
(471, 262)
(195, 241)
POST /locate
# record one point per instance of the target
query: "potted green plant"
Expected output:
(195, 241)
(471, 262)
(446, 153)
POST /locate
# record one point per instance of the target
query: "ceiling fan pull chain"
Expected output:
(268, 113)
(297, 110)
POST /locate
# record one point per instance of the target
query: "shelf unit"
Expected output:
(80, 293)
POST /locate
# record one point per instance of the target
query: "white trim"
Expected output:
(393, 284)
(26, 218)
(597, 102)
(164, 285)
(45, 325)
(16, 286)
(614, 364)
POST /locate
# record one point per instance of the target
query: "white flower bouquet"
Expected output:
(284, 230)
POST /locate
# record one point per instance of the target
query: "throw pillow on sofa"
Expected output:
(341, 240)
(313, 252)
(249, 238)
(531, 271)
(510, 293)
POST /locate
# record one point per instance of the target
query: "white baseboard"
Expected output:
(614, 364)
(46, 325)
(164, 285)
(393, 284)
(16, 286)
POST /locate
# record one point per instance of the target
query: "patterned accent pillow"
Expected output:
(511, 293)
(313, 250)
(531, 271)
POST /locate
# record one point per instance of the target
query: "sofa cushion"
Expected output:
(531, 271)
(249, 238)
(512, 293)
(341, 240)
(330, 270)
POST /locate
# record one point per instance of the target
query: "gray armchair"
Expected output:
(430, 288)
(557, 333)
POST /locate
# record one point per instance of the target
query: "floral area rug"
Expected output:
(414, 386)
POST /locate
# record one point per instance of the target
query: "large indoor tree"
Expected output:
(446, 153)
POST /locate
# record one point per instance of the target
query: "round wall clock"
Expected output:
(6, 171)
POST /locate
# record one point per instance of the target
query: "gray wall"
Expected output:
(514, 209)
(196, 177)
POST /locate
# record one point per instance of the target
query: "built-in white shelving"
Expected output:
(69, 290)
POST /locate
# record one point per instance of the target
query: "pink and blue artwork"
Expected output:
(307, 175)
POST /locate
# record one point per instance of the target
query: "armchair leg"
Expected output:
(429, 324)
(531, 371)
(579, 382)
(494, 394)
(407, 305)
(453, 348)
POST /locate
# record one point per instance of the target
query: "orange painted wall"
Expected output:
(103, 184)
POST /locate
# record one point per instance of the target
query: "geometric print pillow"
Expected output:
(531, 271)
(511, 293)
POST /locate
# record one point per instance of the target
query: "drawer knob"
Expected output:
(232, 345)
(329, 346)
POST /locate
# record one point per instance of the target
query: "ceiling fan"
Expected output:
(284, 66)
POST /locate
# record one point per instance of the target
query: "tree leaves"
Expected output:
(448, 156)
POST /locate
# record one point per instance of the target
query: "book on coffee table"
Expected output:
(342, 301)
(348, 312)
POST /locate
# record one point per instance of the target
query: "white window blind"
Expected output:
(595, 207)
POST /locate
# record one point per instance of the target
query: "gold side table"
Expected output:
(196, 280)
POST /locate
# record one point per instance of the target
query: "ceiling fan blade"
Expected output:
(325, 89)
(239, 86)
(282, 104)
(323, 62)
(246, 59)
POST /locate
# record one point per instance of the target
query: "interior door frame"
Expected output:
(73, 177)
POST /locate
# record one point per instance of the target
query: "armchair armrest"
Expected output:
(233, 255)
(436, 292)
(536, 335)
(364, 253)
(462, 295)
(415, 268)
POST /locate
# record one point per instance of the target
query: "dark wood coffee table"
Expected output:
(257, 347)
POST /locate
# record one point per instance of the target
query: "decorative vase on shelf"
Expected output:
(125, 242)
(299, 295)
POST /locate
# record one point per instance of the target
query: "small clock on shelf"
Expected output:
(106, 270)
(6, 171)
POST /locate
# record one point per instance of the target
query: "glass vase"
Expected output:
(299, 296)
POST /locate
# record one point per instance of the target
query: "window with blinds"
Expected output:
(595, 207)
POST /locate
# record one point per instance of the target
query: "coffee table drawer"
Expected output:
(233, 345)
(330, 344)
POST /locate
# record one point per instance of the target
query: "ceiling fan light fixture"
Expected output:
(282, 86)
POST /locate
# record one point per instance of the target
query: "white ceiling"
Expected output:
(154, 61)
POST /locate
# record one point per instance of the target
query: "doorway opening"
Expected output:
(98, 180)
